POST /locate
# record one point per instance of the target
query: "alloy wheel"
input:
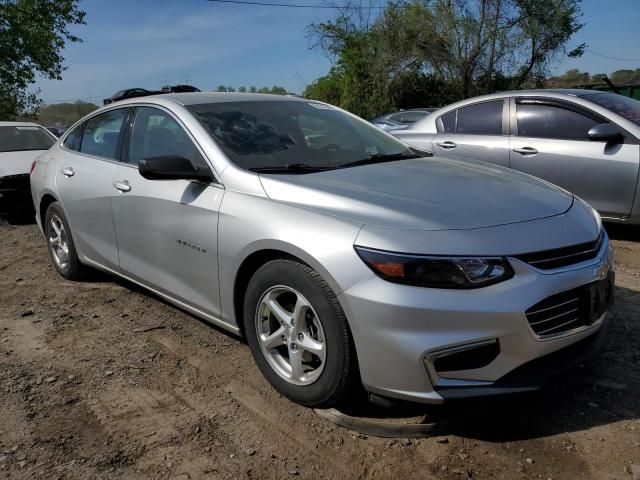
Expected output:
(58, 242)
(290, 335)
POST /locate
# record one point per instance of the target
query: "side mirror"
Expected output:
(173, 167)
(605, 132)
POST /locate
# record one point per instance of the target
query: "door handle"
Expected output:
(123, 186)
(447, 145)
(68, 172)
(526, 150)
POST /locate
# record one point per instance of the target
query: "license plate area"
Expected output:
(600, 297)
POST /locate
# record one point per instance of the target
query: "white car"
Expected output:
(20, 144)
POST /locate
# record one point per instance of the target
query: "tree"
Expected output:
(33, 34)
(465, 47)
(625, 76)
(64, 114)
(242, 89)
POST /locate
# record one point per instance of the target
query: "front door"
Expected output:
(551, 142)
(167, 229)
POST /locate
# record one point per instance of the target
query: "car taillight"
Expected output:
(33, 167)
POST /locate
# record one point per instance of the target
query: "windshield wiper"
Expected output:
(293, 168)
(380, 158)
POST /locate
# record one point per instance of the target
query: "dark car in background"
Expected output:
(180, 89)
(142, 92)
(129, 93)
(402, 119)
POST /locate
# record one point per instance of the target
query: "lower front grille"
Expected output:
(572, 309)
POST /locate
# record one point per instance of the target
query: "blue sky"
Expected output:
(142, 43)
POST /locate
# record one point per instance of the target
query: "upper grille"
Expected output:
(562, 257)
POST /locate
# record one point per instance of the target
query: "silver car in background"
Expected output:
(585, 141)
(342, 256)
(402, 119)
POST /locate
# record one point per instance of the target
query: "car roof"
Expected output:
(19, 124)
(197, 98)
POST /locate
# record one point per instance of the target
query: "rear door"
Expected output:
(88, 159)
(478, 131)
(167, 230)
(550, 141)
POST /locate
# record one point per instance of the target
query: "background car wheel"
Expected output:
(298, 334)
(60, 244)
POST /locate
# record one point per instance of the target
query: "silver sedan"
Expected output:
(343, 257)
(585, 141)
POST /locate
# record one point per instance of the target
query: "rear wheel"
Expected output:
(298, 334)
(60, 244)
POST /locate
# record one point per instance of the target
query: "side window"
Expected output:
(449, 122)
(480, 119)
(73, 140)
(550, 121)
(102, 133)
(156, 134)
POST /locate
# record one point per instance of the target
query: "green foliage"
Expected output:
(33, 34)
(574, 77)
(64, 114)
(431, 52)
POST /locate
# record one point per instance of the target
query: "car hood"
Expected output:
(15, 163)
(424, 193)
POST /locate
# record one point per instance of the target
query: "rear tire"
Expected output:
(310, 360)
(62, 250)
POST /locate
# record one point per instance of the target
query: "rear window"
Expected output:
(22, 138)
(624, 106)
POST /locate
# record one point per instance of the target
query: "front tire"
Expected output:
(62, 250)
(298, 334)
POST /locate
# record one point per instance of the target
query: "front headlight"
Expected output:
(436, 271)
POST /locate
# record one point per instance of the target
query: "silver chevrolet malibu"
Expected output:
(344, 257)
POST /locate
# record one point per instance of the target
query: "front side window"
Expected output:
(624, 106)
(102, 132)
(156, 134)
(480, 119)
(277, 134)
(551, 121)
(24, 138)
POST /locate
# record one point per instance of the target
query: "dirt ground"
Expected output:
(84, 393)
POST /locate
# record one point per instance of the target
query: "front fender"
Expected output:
(249, 224)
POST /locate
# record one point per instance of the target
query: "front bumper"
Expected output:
(399, 331)
(15, 193)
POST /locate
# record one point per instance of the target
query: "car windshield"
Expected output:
(263, 135)
(624, 106)
(27, 137)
